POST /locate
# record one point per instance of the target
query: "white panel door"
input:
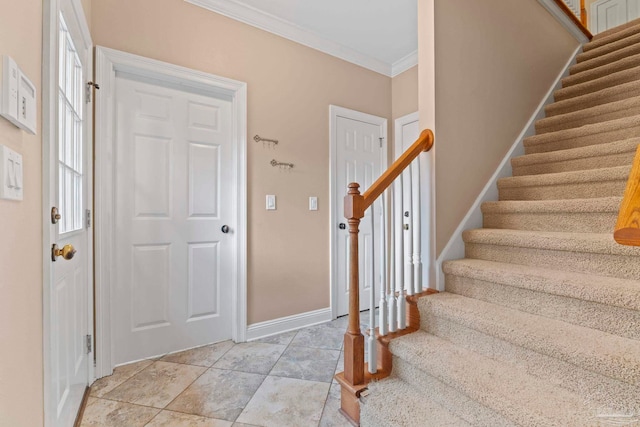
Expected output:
(69, 295)
(173, 235)
(359, 158)
(607, 14)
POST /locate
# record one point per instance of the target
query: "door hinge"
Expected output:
(381, 139)
(88, 90)
(89, 344)
(88, 218)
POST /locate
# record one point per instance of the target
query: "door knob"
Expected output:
(342, 226)
(225, 229)
(67, 252)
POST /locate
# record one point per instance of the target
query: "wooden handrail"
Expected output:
(355, 205)
(627, 230)
(576, 20)
(583, 15)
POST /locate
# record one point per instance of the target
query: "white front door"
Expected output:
(174, 231)
(606, 14)
(359, 142)
(68, 316)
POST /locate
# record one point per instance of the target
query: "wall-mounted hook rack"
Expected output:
(281, 165)
(270, 142)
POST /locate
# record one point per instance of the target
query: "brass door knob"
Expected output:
(67, 252)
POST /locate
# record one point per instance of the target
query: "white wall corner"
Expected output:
(403, 64)
(473, 219)
(564, 20)
(289, 323)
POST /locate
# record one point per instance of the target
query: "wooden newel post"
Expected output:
(353, 338)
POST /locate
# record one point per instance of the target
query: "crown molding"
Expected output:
(272, 24)
(403, 64)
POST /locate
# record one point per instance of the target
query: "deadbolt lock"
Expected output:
(67, 252)
(55, 215)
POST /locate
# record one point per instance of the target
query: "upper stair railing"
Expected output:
(577, 12)
(356, 373)
(627, 230)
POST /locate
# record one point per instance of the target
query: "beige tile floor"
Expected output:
(280, 381)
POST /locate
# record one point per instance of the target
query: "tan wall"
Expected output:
(404, 93)
(494, 62)
(21, 380)
(290, 88)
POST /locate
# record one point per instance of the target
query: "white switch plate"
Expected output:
(18, 100)
(313, 203)
(271, 202)
(10, 174)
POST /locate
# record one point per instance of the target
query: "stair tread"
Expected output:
(611, 291)
(594, 114)
(607, 54)
(595, 205)
(610, 355)
(590, 99)
(602, 243)
(384, 396)
(591, 129)
(505, 389)
(614, 173)
(616, 33)
(618, 77)
(616, 147)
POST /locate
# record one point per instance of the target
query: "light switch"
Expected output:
(271, 202)
(10, 174)
(18, 98)
(313, 203)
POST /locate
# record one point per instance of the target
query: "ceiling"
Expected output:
(381, 35)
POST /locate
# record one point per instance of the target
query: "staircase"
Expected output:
(540, 323)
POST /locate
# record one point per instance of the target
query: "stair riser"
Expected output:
(607, 318)
(593, 100)
(586, 117)
(447, 396)
(587, 163)
(609, 48)
(577, 190)
(584, 140)
(622, 266)
(598, 84)
(598, 389)
(580, 222)
(623, 59)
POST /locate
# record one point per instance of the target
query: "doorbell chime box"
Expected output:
(17, 96)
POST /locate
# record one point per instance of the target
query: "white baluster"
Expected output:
(408, 234)
(382, 327)
(416, 216)
(371, 339)
(399, 248)
(391, 297)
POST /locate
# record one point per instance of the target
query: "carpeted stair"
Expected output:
(540, 323)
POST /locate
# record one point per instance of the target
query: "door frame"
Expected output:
(335, 112)
(427, 202)
(108, 62)
(51, 11)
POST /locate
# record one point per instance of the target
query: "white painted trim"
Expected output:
(334, 218)
(473, 219)
(564, 20)
(289, 323)
(50, 31)
(272, 24)
(404, 64)
(108, 61)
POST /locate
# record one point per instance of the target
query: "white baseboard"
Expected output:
(473, 219)
(286, 324)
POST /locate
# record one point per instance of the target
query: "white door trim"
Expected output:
(108, 62)
(50, 30)
(427, 200)
(334, 218)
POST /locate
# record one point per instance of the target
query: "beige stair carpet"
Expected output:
(540, 323)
